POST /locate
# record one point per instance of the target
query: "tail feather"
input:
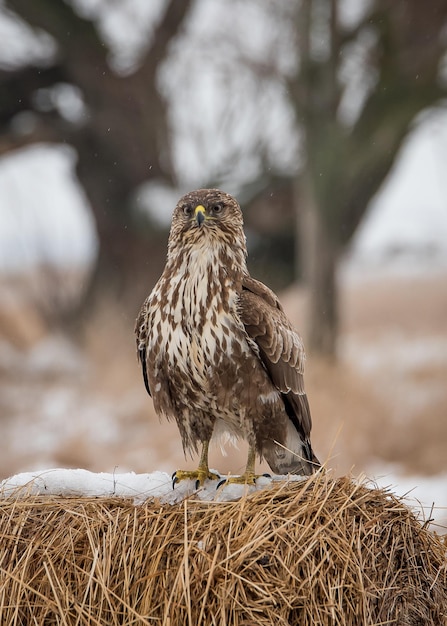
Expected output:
(294, 456)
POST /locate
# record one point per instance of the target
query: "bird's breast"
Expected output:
(195, 325)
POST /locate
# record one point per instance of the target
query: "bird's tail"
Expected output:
(294, 456)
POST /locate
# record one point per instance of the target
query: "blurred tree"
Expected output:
(303, 102)
(357, 91)
(122, 139)
(355, 75)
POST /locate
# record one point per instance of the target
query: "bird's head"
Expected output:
(207, 217)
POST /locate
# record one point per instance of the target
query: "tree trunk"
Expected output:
(318, 258)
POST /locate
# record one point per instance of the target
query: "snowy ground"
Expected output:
(138, 487)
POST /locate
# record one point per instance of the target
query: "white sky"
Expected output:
(411, 208)
(44, 215)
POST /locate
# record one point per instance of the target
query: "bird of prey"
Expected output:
(217, 351)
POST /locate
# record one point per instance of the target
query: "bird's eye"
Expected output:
(187, 210)
(218, 208)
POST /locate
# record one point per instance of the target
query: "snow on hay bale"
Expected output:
(316, 552)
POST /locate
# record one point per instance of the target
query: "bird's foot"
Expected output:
(199, 475)
(247, 478)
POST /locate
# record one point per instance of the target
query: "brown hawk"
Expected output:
(217, 351)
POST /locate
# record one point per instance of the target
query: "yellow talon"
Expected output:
(200, 475)
(247, 478)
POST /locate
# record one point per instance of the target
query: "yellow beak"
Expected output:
(199, 213)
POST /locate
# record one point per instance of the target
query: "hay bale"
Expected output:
(319, 552)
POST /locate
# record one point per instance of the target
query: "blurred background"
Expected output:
(326, 118)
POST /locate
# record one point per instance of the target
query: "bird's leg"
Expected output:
(200, 474)
(248, 477)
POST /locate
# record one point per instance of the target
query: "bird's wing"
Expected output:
(280, 346)
(141, 337)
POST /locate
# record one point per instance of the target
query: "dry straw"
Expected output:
(320, 552)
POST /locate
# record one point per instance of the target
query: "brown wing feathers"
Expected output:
(280, 346)
(141, 337)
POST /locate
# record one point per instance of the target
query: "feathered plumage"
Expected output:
(216, 348)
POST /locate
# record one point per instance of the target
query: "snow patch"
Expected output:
(138, 487)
